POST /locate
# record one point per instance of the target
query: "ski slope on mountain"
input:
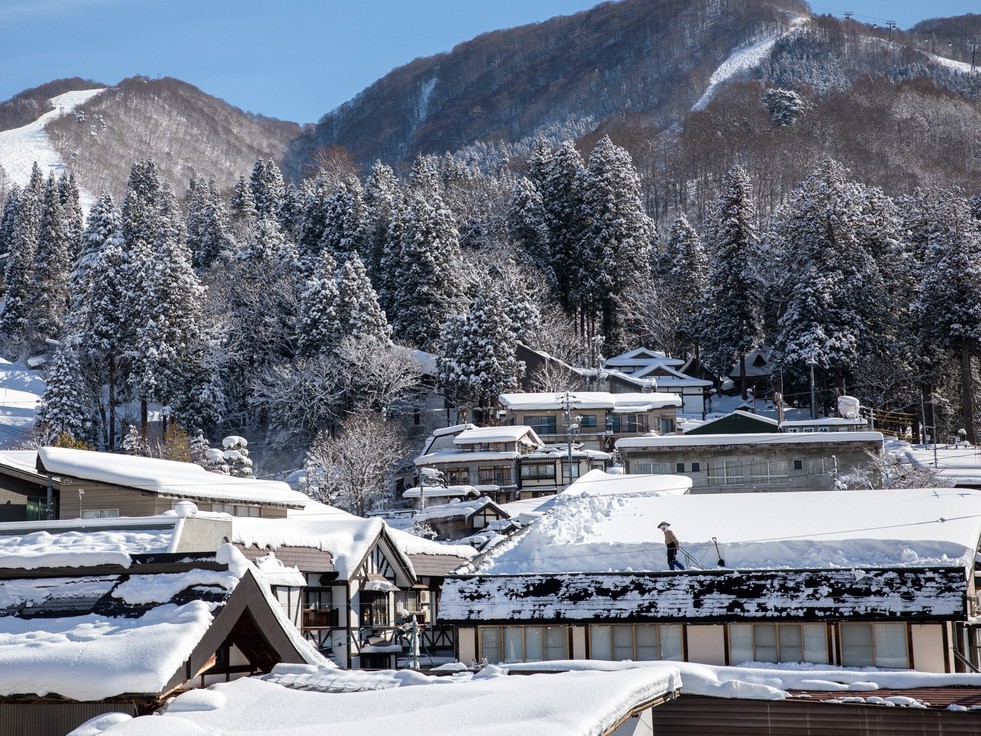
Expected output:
(20, 390)
(21, 147)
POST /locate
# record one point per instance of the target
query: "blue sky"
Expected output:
(291, 59)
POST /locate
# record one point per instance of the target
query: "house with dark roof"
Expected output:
(847, 578)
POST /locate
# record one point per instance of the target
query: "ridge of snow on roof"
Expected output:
(489, 703)
(167, 477)
(587, 400)
(768, 438)
(787, 530)
(600, 483)
(506, 433)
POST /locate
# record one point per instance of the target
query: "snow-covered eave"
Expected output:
(756, 438)
(244, 500)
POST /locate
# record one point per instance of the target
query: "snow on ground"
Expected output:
(958, 464)
(741, 60)
(20, 390)
(21, 147)
(786, 530)
(488, 703)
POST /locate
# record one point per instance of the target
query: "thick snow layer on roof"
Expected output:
(463, 491)
(482, 435)
(910, 527)
(463, 456)
(599, 482)
(454, 509)
(93, 656)
(769, 438)
(32, 550)
(167, 477)
(764, 681)
(587, 400)
(346, 537)
(488, 703)
(21, 147)
(410, 544)
(20, 391)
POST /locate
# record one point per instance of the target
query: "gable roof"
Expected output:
(588, 400)
(691, 439)
(138, 629)
(642, 356)
(166, 478)
(738, 422)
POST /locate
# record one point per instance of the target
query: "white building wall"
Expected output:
(467, 643)
(928, 647)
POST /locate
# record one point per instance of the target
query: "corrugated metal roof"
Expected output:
(435, 565)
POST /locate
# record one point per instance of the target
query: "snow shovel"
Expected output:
(722, 563)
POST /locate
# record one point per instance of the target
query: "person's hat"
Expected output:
(663, 524)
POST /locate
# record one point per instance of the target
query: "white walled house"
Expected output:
(849, 578)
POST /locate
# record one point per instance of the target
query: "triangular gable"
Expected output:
(386, 555)
(738, 422)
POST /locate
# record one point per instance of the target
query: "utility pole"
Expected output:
(848, 14)
(567, 400)
(810, 364)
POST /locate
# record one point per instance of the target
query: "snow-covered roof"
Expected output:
(756, 438)
(641, 356)
(464, 456)
(346, 537)
(485, 435)
(600, 483)
(552, 452)
(107, 634)
(788, 530)
(958, 465)
(349, 703)
(588, 400)
(817, 424)
(167, 477)
(459, 509)
(440, 492)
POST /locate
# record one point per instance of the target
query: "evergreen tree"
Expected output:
(237, 457)
(731, 324)
(16, 320)
(313, 222)
(49, 297)
(63, 409)
(526, 222)
(344, 221)
(7, 219)
(357, 310)
(615, 253)
(208, 233)
(98, 326)
(390, 266)
(381, 200)
(243, 210)
(476, 359)
(72, 211)
(949, 306)
(562, 191)
(267, 188)
(291, 212)
(684, 278)
(430, 288)
(319, 322)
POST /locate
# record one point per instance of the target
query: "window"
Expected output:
(695, 467)
(874, 645)
(819, 466)
(725, 473)
(627, 423)
(666, 425)
(680, 468)
(457, 476)
(587, 421)
(100, 513)
(769, 472)
(798, 464)
(646, 468)
(778, 643)
(489, 475)
(237, 509)
(538, 471)
(524, 643)
(639, 642)
(541, 424)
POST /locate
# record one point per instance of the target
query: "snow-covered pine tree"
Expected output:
(208, 231)
(356, 308)
(134, 443)
(476, 359)
(526, 222)
(683, 273)
(243, 210)
(7, 219)
(236, 455)
(64, 408)
(616, 247)
(344, 221)
(562, 191)
(389, 276)
(949, 305)
(72, 209)
(730, 317)
(49, 296)
(319, 322)
(835, 288)
(291, 212)
(313, 221)
(381, 197)
(430, 288)
(267, 187)
(97, 325)
(15, 319)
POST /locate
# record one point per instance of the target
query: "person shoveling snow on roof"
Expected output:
(671, 542)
